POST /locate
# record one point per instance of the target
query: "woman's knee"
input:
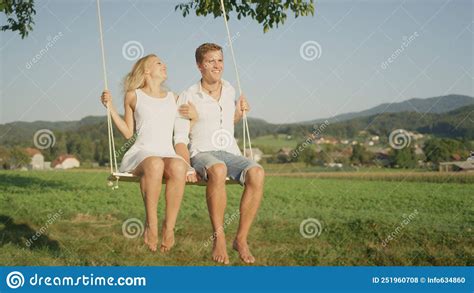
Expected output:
(153, 166)
(177, 168)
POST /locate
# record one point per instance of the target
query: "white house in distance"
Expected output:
(471, 157)
(65, 162)
(37, 159)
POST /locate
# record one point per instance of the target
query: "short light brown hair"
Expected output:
(203, 49)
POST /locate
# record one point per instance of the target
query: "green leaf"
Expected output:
(265, 12)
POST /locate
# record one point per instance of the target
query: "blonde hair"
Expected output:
(203, 49)
(135, 79)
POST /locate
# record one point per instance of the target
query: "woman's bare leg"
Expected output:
(175, 174)
(151, 173)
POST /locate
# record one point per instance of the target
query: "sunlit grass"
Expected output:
(355, 216)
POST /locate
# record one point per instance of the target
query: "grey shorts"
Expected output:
(237, 166)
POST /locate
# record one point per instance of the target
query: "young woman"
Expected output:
(151, 112)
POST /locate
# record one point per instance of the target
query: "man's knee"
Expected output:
(255, 176)
(217, 172)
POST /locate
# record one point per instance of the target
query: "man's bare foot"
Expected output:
(244, 251)
(168, 238)
(151, 238)
(219, 251)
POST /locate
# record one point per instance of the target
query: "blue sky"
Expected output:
(431, 44)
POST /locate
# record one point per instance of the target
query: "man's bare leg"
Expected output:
(249, 205)
(216, 202)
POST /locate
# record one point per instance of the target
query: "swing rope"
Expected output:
(245, 125)
(110, 130)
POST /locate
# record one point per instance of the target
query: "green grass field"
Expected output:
(80, 222)
(270, 142)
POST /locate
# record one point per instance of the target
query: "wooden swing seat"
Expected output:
(129, 177)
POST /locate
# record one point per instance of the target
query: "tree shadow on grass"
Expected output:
(23, 236)
(9, 180)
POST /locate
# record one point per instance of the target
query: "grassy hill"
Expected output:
(87, 138)
(454, 124)
(18, 132)
(441, 104)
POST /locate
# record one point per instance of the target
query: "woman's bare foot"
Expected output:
(219, 251)
(244, 251)
(151, 238)
(168, 238)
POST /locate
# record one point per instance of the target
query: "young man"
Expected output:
(214, 153)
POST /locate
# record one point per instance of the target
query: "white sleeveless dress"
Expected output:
(154, 123)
